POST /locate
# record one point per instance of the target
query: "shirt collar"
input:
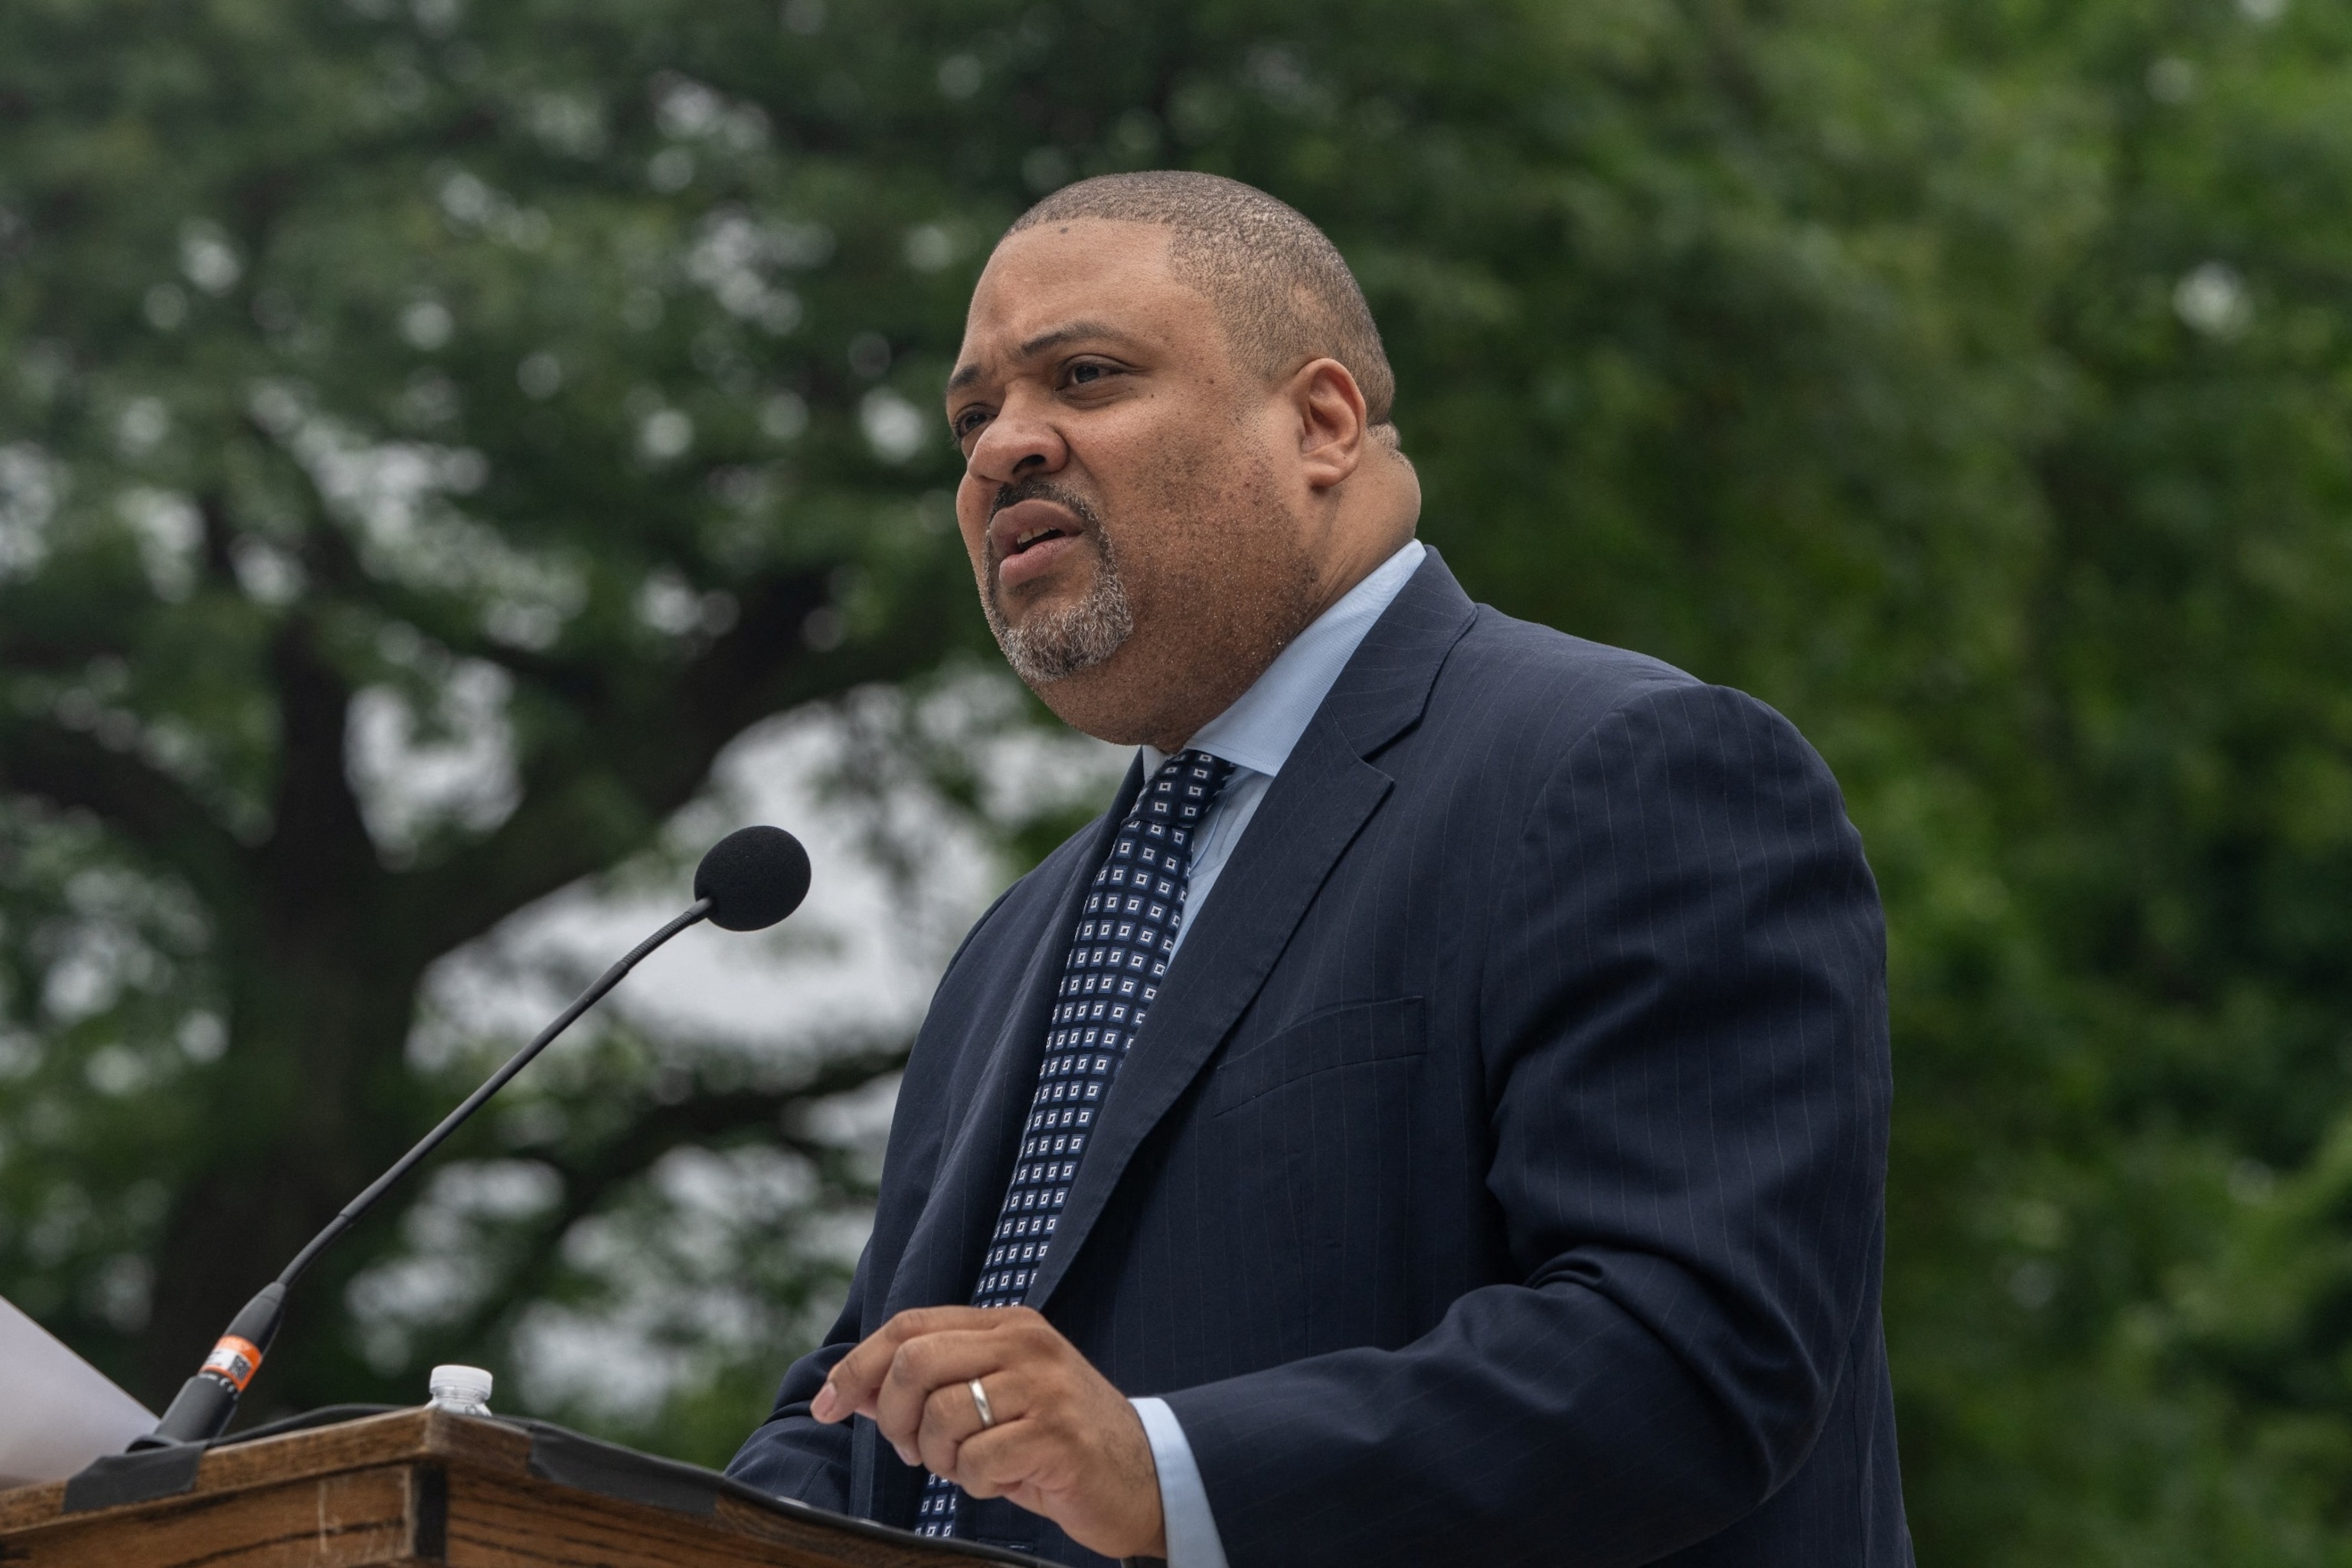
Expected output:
(1263, 726)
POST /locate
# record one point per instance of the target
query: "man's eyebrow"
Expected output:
(966, 375)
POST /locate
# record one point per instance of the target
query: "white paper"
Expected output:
(58, 1412)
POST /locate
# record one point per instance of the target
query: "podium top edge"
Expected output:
(390, 1438)
(485, 1447)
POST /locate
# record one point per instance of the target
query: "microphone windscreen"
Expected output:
(753, 877)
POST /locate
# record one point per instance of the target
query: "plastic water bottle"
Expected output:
(460, 1390)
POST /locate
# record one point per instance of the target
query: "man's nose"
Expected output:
(1018, 443)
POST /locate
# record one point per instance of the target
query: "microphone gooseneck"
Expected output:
(747, 880)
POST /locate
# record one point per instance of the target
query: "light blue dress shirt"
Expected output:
(1257, 734)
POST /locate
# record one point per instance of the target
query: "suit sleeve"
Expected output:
(1683, 1031)
(792, 1454)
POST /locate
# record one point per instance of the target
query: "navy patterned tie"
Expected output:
(1118, 956)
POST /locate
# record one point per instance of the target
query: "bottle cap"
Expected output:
(463, 1384)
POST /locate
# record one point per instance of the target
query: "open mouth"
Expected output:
(1031, 535)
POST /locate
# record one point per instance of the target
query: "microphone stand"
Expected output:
(206, 1401)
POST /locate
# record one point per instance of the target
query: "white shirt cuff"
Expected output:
(1193, 1537)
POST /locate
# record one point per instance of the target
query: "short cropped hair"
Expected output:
(1278, 284)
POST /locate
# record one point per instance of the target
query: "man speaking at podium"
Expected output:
(1438, 1114)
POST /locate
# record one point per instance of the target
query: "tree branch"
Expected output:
(592, 1176)
(52, 648)
(42, 758)
(640, 743)
(642, 750)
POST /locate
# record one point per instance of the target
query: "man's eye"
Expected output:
(968, 421)
(1080, 375)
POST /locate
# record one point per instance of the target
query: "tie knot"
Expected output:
(1182, 792)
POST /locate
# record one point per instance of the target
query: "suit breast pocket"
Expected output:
(1354, 1034)
(1315, 1130)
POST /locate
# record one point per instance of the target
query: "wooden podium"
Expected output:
(422, 1487)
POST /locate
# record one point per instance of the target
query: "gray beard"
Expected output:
(1057, 644)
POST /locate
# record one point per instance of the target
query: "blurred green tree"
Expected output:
(1969, 382)
(395, 376)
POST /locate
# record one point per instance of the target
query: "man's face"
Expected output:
(1120, 502)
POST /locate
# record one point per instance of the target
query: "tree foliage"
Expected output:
(1970, 382)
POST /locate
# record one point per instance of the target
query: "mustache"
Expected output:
(1042, 489)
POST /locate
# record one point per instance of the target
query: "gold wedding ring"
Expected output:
(980, 1403)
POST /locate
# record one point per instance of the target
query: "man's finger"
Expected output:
(950, 1418)
(948, 1358)
(851, 1387)
(1004, 1459)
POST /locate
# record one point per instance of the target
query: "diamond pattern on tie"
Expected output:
(1119, 955)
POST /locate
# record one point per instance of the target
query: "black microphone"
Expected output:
(749, 880)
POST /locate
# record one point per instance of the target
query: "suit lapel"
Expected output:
(1325, 794)
(943, 1248)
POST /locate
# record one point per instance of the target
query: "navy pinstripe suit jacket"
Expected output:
(1497, 1178)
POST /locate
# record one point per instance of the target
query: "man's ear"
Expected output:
(1333, 434)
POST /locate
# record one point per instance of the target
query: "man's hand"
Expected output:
(1064, 1444)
